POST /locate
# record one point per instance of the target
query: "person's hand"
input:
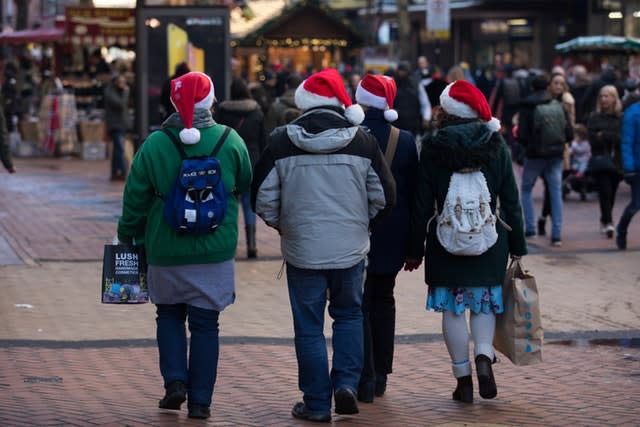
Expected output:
(411, 264)
(516, 257)
(12, 169)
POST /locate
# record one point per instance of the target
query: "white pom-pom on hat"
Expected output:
(326, 88)
(188, 92)
(463, 99)
(378, 92)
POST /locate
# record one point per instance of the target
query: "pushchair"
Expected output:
(580, 182)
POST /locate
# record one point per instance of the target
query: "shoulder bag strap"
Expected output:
(390, 152)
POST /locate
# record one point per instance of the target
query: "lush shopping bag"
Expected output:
(519, 334)
(124, 275)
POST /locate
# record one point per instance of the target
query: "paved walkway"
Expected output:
(66, 359)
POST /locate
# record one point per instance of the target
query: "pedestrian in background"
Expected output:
(5, 150)
(408, 101)
(603, 127)
(116, 114)
(630, 153)
(467, 137)
(321, 182)
(244, 114)
(190, 276)
(180, 69)
(284, 104)
(389, 237)
(543, 154)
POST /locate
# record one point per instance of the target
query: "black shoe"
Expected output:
(199, 411)
(175, 394)
(541, 226)
(529, 233)
(464, 390)
(366, 391)
(486, 380)
(346, 401)
(621, 240)
(299, 411)
(381, 385)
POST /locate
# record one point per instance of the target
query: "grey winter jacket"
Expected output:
(321, 182)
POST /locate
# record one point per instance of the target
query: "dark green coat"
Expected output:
(458, 145)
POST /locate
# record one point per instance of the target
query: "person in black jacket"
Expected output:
(376, 95)
(244, 114)
(165, 95)
(407, 101)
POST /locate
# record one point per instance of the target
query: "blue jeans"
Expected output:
(249, 214)
(308, 294)
(118, 166)
(634, 205)
(551, 171)
(199, 373)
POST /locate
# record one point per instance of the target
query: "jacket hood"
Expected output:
(466, 144)
(321, 130)
(239, 105)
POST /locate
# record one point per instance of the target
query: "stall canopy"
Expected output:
(305, 23)
(37, 35)
(100, 26)
(604, 43)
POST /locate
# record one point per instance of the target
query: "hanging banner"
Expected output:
(438, 19)
(104, 26)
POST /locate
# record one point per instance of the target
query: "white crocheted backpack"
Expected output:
(466, 225)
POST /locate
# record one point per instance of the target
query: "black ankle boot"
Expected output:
(464, 390)
(175, 394)
(486, 380)
(542, 222)
(252, 250)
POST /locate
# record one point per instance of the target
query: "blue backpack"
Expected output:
(197, 202)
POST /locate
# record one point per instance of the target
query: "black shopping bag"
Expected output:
(124, 275)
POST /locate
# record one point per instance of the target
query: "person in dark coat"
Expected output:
(165, 95)
(467, 137)
(604, 132)
(407, 101)
(244, 114)
(5, 152)
(285, 103)
(117, 118)
(389, 238)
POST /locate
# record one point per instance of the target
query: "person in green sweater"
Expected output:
(467, 138)
(190, 276)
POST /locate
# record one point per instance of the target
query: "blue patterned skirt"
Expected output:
(477, 299)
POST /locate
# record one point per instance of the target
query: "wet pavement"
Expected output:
(66, 359)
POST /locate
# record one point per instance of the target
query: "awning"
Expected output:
(604, 43)
(38, 35)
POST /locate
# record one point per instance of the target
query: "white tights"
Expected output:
(456, 337)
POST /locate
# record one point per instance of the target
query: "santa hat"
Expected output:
(188, 92)
(326, 88)
(462, 99)
(378, 92)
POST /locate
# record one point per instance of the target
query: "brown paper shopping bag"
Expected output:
(519, 332)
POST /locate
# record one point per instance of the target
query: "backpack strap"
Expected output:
(176, 143)
(221, 141)
(390, 152)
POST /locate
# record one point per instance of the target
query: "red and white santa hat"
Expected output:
(326, 88)
(378, 92)
(188, 92)
(462, 99)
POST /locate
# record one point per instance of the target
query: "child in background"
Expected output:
(580, 151)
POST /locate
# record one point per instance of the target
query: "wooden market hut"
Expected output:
(305, 35)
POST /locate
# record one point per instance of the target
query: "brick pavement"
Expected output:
(65, 359)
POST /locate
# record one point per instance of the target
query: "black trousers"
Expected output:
(379, 310)
(607, 184)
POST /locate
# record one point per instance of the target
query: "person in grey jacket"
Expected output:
(321, 182)
(116, 112)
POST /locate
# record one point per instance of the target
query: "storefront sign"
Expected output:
(438, 19)
(100, 26)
